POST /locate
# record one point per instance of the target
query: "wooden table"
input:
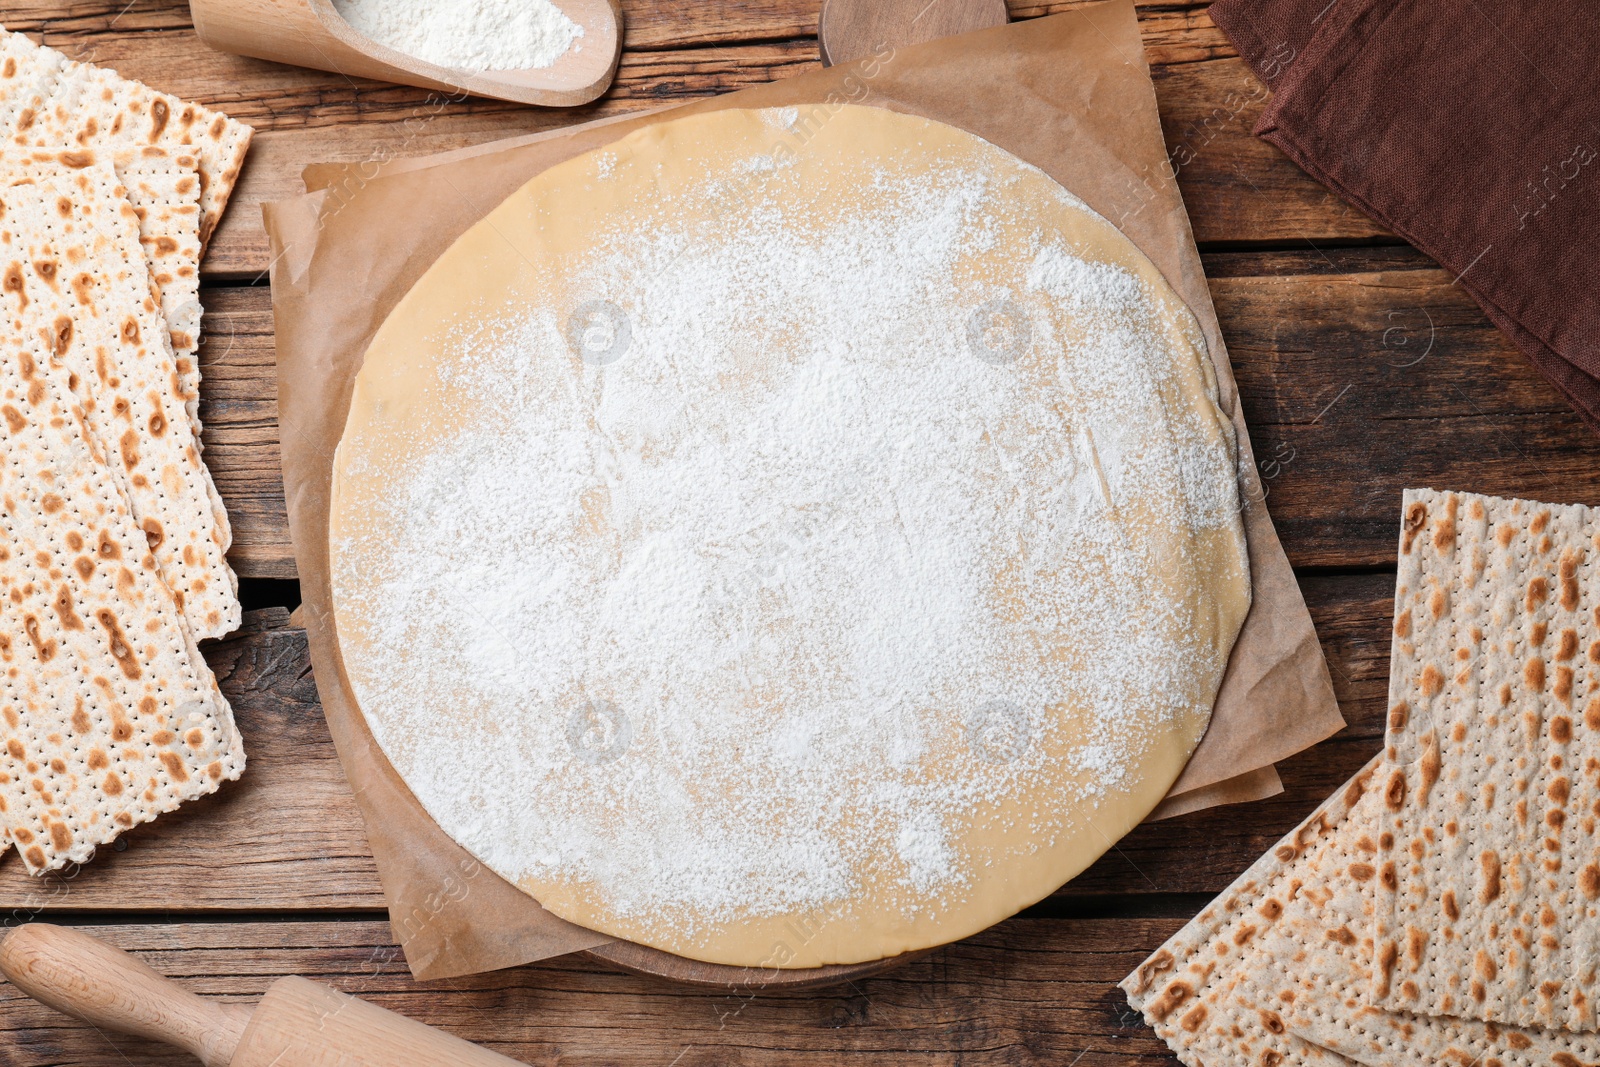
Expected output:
(1363, 370)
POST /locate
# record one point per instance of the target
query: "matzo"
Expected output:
(1489, 904)
(164, 190)
(48, 101)
(110, 716)
(165, 194)
(27, 74)
(1275, 972)
(124, 377)
(1202, 990)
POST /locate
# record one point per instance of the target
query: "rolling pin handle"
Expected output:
(88, 979)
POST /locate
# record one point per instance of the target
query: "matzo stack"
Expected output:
(1275, 971)
(174, 157)
(1202, 991)
(165, 193)
(49, 101)
(110, 716)
(164, 190)
(124, 376)
(1489, 901)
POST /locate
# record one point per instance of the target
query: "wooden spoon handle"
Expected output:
(86, 978)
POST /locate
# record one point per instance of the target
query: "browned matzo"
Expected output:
(124, 377)
(1489, 904)
(108, 715)
(49, 101)
(1275, 972)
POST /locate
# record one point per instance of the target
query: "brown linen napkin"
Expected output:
(1470, 129)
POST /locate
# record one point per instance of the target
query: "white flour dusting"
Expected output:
(840, 581)
(467, 34)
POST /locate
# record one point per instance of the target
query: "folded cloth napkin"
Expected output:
(1471, 129)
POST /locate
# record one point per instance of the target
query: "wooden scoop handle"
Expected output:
(88, 979)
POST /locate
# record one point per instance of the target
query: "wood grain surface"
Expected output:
(1362, 370)
(1028, 991)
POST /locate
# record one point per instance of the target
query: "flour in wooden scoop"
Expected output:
(783, 557)
(469, 35)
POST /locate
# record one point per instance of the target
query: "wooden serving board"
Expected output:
(850, 29)
(640, 959)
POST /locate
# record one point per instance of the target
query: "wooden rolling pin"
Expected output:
(297, 1024)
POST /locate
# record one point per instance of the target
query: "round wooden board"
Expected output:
(850, 29)
(641, 959)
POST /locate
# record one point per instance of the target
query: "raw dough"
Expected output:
(787, 538)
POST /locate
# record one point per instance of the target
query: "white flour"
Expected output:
(467, 34)
(803, 542)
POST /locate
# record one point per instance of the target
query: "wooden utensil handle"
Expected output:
(88, 979)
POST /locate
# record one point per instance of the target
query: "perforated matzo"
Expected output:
(125, 378)
(1489, 906)
(110, 716)
(1276, 970)
(49, 101)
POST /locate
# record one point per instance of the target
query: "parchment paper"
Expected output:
(1070, 93)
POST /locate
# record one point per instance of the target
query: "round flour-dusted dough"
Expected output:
(788, 538)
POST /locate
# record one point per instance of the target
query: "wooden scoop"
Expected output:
(297, 1024)
(850, 29)
(311, 33)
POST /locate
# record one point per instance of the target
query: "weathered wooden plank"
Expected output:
(1237, 188)
(1359, 359)
(647, 24)
(239, 413)
(1397, 375)
(1028, 991)
(288, 835)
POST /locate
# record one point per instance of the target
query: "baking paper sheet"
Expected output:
(1070, 94)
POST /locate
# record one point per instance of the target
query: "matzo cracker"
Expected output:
(114, 343)
(108, 715)
(1276, 971)
(57, 103)
(1489, 901)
